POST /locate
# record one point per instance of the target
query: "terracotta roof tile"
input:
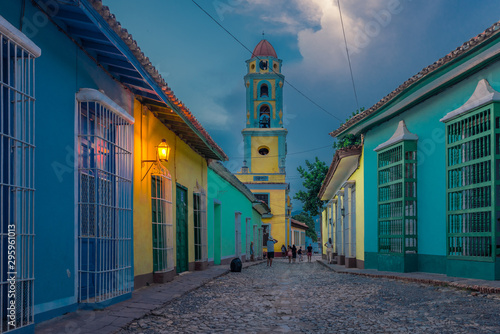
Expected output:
(153, 72)
(465, 48)
(299, 224)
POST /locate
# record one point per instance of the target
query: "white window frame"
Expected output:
(105, 145)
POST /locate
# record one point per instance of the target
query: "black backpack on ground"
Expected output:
(236, 265)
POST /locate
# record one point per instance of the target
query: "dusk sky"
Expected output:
(389, 41)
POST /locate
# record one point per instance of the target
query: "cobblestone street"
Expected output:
(307, 297)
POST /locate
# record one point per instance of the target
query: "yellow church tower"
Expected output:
(264, 138)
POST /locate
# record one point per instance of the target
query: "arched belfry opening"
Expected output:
(265, 117)
(264, 90)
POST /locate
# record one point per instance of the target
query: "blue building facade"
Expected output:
(80, 122)
(71, 81)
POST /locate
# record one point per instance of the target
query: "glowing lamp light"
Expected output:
(163, 151)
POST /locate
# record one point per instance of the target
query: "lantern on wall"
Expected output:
(163, 151)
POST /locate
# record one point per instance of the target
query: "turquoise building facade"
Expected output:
(431, 167)
(234, 218)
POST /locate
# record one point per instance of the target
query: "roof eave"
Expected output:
(353, 151)
(92, 9)
(356, 124)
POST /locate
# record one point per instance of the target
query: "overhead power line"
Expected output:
(348, 57)
(251, 52)
(293, 153)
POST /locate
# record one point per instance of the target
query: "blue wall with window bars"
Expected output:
(59, 75)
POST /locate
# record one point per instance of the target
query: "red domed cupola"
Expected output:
(264, 49)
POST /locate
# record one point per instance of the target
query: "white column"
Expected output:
(340, 223)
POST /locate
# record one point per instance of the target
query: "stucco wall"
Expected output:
(231, 201)
(186, 168)
(422, 120)
(358, 177)
(59, 76)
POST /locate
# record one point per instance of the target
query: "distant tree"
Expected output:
(303, 217)
(312, 180)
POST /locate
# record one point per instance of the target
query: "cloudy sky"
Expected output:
(388, 40)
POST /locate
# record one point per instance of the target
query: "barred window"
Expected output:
(397, 198)
(162, 222)
(200, 226)
(262, 197)
(470, 172)
(105, 140)
(17, 178)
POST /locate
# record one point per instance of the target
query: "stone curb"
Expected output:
(478, 288)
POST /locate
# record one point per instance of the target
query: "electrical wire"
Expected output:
(251, 52)
(293, 153)
(348, 57)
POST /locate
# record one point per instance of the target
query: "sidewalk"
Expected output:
(143, 301)
(482, 286)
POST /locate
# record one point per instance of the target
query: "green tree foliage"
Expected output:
(309, 221)
(313, 176)
(347, 141)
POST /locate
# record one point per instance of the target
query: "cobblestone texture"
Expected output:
(306, 297)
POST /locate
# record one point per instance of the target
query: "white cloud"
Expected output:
(317, 25)
(209, 113)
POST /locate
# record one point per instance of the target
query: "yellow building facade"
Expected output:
(169, 196)
(342, 220)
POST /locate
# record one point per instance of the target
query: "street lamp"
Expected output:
(162, 152)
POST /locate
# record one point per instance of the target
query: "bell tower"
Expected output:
(264, 139)
(264, 136)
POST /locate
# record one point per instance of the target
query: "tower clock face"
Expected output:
(263, 64)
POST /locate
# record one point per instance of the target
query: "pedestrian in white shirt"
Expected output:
(329, 250)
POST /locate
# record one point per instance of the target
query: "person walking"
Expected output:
(329, 250)
(283, 251)
(300, 253)
(309, 253)
(270, 250)
(251, 251)
(289, 253)
(294, 253)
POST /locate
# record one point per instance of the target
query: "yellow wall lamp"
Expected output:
(162, 154)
